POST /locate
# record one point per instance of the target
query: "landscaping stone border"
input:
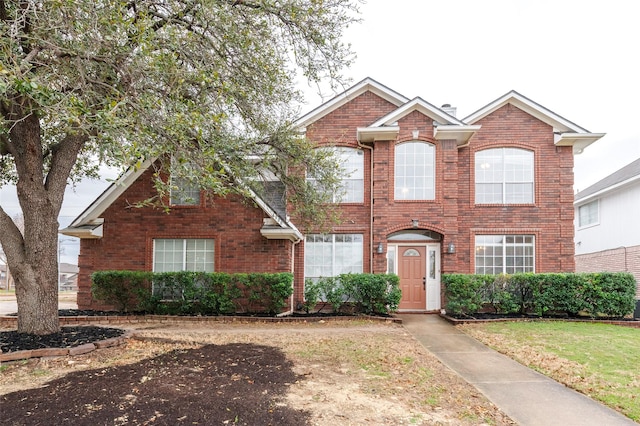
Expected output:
(458, 321)
(11, 321)
(76, 350)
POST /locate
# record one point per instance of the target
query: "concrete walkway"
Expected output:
(526, 396)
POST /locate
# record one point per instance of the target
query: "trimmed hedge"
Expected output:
(191, 293)
(377, 294)
(609, 294)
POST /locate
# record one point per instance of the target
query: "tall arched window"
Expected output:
(504, 176)
(415, 171)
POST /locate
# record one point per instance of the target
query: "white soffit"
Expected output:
(462, 134)
(372, 134)
(579, 141)
(368, 84)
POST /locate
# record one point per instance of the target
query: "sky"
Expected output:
(575, 58)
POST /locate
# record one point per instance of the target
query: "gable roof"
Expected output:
(89, 223)
(446, 126)
(366, 85)
(566, 132)
(626, 175)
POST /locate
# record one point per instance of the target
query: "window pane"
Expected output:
(171, 255)
(332, 254)
(415, 171)
(504, 176)
(183, 190)
(500, 254)
(588, 214)
(352, 171)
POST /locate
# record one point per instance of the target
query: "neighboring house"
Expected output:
(607, 231)
(3, 277)
(425, 193)
(68, 276)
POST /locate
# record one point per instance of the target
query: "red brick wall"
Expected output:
(128, 234)
(453, 213)
(623, 259)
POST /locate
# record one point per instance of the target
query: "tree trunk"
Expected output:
(32, 255)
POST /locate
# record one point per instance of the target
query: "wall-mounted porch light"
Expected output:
(380, 248)
(451, 248)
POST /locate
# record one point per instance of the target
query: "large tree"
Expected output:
(212, 82)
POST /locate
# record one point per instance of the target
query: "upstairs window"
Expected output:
(415, 171)
(183, 191)
(352, 176)
(504, 176)
(588, 214)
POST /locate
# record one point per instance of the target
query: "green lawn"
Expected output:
(599, 360)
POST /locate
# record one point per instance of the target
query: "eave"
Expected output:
(90, 232)
(579, 141)
(461, 134)
(372, 134)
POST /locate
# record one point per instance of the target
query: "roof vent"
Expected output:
(449, 109)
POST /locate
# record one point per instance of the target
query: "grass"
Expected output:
(599, 360)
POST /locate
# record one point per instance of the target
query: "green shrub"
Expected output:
(372, 293)
(602, 294)
(267, 292)
(369, 293)
(327, 291)
(123, 289)
(463, 292)
(187, 292)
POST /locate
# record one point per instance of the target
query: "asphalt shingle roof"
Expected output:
(627, 172)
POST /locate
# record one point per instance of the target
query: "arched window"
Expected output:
(504, 176)
(415, 171)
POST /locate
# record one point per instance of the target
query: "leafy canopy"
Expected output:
(212, 82)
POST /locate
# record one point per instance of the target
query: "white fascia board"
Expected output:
(422, 106)
(560, 124)
(462, 134)
(372, 134)
(83, 232)
(605, 191)
(285, 225)
(271, 233)
(579, 141)
(368, 84)
(91, 215)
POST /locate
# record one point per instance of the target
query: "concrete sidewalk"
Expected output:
(8, 304)
(526, 396)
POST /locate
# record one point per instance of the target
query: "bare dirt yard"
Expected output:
(327, 373)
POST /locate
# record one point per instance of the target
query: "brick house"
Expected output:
(607, 234)
(426, 193)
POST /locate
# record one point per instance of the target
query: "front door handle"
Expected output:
(424, 283)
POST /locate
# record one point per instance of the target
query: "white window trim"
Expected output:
(597, 222)
(395, 171)
(184, 251)
(333, 255)
(504, 181)
(504, 251)
(339, 198)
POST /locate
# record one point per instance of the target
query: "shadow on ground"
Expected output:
(240, 384)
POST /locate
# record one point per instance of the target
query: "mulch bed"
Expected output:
(68, 337)
(240, 384)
